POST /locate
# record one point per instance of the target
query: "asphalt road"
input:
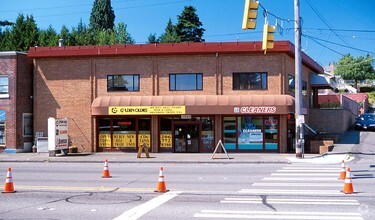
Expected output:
(213, 191)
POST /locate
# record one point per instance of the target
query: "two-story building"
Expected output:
(182, 97)
(16, 102)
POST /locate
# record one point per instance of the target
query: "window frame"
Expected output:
(198, 81)
(5, 94)
(236, 78)
(24, 115)
(292, 86)
(112, 88)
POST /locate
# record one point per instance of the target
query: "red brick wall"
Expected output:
(18, 67)
(67, 87)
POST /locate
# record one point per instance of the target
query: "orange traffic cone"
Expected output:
(161, 187)
(348, 186)
(342, 171)
(8, 187)
(106, 170)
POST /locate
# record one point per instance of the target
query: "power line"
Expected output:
(325, 21)
(350, 47)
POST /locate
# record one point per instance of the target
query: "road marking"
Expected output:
(140, 210)
(286, 191)
(300, 184)
(303, 174)
(277, 215)
(309, 171)
(300, 179)
(291, 201)
(311, 168)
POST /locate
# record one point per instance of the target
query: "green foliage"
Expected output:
(152, 39)
(170, 35)
(365, 89)
(122, 35)
(188, 27)
(371, 98)
(48, 37)
(357, 69)
(330, 105)
(102, 16)
(24, 33)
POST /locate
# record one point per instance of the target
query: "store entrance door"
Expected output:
(186, 138)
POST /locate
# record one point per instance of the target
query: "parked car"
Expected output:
(365, 121)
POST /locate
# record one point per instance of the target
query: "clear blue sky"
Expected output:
(332, 28)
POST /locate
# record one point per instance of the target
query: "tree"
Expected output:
(102, 16)
(170, 35)
(122, 35)
(6, 42)
(188, 27)
(357, 69)
(152, 39)
(6, 23)
(81, 36)
(65, 36)
(24, 33)
(48, 37)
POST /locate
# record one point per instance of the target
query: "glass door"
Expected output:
(186, 138)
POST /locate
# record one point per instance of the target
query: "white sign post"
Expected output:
(57, 135)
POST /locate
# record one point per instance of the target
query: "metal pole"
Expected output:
(298, 82)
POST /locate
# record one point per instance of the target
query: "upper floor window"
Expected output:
(123, 82)
(250, 81)
(4, 86)
(186, 81)
(292, 87)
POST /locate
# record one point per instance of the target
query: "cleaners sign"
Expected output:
(57, 134)
(254, 109)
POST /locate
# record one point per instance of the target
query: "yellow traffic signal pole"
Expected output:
(298, 83)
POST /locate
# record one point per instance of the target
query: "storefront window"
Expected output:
(230, 133)
(144, 129)
(250, 135)
(208, 133)
(166, 133)
(124, 132)
(2, 133)
(105, 132)
(271, 133)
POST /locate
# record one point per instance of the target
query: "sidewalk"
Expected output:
(121, 157)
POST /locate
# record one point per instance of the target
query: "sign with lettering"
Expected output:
(146, 110)
(254, 109)
(166, 140)
(124, 140)
(104, 140)
(61, 133)
(144, 139)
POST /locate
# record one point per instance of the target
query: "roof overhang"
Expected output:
(193, 104)
(322, 81)
(185, 48)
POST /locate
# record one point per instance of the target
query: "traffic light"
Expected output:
(268, 37)
(250, 14)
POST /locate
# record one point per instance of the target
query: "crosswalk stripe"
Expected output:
(303, 174)
(300, 179)
(277, 215)
(291, 201)
(308, 171)
(286, 191)
(300, 184)
(310, 168)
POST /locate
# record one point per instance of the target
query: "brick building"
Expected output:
(16, 104)
(181, 97)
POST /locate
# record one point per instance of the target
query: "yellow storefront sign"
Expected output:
(146, 110)
(166, 140)
(144, 139)
(104, 140)
(124, 140)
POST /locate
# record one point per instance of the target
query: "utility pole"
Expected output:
(298, 82)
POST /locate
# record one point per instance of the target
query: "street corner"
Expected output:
(323, 159)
